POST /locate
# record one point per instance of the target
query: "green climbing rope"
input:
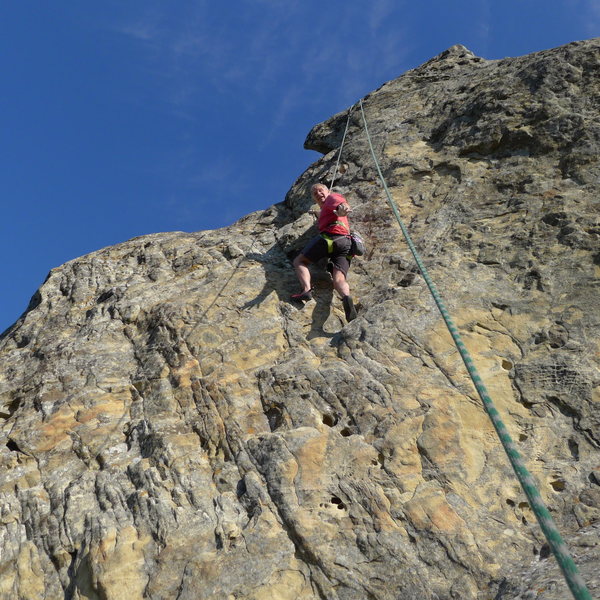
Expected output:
(558, 546)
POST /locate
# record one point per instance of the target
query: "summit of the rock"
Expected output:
(171, 426)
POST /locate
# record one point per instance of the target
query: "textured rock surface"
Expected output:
(172, 427)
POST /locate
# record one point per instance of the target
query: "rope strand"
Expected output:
(558, 546)
(337, 164)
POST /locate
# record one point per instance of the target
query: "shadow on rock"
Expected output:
(281, 279)
(279, 275)
(323, 295)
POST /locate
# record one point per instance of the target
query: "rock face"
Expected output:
(172, 427)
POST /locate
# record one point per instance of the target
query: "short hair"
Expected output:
(318, 185)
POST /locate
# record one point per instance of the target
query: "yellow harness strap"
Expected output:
(329, 241)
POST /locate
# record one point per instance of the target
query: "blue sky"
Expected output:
(122, 118)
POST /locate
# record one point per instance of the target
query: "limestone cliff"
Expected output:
(172, 427)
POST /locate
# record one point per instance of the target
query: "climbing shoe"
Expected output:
(302, 296)
(349, 308)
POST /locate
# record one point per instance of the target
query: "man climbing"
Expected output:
(332, 242)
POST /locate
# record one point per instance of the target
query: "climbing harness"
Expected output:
(357, 244)
(557, 545)
(329, 239)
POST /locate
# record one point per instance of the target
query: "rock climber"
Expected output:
(332, 242)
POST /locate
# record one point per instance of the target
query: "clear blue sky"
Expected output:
(122, 118)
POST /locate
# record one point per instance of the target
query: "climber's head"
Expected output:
(319, 192)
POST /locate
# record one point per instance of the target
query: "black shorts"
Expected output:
(317, 249)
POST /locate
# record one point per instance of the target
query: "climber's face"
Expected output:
(319, 193)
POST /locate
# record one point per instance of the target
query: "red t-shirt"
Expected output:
(329, 222)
